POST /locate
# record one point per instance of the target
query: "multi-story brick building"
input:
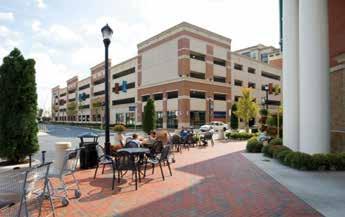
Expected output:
(190, 73)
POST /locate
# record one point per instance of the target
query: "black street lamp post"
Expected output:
(266, 100)
(107, 32)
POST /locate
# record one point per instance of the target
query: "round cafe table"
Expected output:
(135, 151)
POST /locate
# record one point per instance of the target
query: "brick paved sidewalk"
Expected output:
(213, 182)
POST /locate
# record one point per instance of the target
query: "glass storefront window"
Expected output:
(130, 119)
(159, 119)
(197, 118)
(119, 118)
(172, 121)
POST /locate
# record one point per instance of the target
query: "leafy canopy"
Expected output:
(246, 107)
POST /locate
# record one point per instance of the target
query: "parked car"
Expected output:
(216, 125)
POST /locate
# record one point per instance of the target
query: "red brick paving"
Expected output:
(213, 182)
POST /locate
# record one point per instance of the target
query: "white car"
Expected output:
(216, 125)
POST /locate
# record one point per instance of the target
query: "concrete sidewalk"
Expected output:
(324, 191)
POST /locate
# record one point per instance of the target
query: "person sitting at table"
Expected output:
(184, 134)
(134, 143)
(152, 136)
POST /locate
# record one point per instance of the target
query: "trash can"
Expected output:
(60, 150)
(88, 152)
(220, 133)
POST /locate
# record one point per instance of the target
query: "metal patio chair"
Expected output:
(159, 159)
(68, 168)
(103, 160)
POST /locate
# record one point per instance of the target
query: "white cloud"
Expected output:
(9, 39)
(6, 16)
(41, 4)
(36, 25)
(48, 75)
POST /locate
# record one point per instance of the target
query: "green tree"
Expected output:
(72, 109)
(234, 118)
(18, 108)
(246, 107)
(149, 119)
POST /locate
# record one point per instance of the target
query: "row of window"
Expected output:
(100, 81)
(250, 84)
(124, 101)
(193, 94)
(84, 87)
(124, 73)
(200, 75)
(253, 71)
(202, 57)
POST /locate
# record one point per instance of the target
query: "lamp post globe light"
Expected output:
(107, 32)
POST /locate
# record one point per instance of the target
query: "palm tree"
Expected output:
(246, 107)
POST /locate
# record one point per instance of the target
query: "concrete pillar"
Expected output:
(290, 74)
(314, 76)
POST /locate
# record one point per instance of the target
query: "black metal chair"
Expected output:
(176, 142)
(159, 159)
(104, 160)
(125, 162)
(208, 136)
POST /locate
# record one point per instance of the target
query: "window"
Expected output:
(251, 85)
(63, 94)
(172, 121)
(237, 98)
(71, 100)
(197, 94)
(238, 83)
(158, 96)
(197, 118)
(197, 56)
(130, 119)
(270, 75)
(198, 75)
(219, 62)
(221, 97)
(100, 81)
(219, 114)
(251, 70)
(123, 101)
(98, 93)
(145, 98)
(219, 79)
(238, 66)
(84, 87)
(159, 119)
(172, 95)
(119, 118)
(84, 106)
(71, 90)
(264, 57)
(124, 73)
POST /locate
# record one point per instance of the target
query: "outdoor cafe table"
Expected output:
(135, 151)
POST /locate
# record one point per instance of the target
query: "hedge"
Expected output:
(241, 135)
(254, 146)
(304, 161)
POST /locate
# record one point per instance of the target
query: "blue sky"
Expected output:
(64, 38)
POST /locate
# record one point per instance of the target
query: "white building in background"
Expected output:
(190, 72)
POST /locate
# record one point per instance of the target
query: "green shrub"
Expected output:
(276, 141)
(237, 135)
(322, 161)
(119, 128)
(254, 146)
(149, 119)
(276, 149)
(336, 161)
(282, 155)
(266, 150)
(299, 160)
